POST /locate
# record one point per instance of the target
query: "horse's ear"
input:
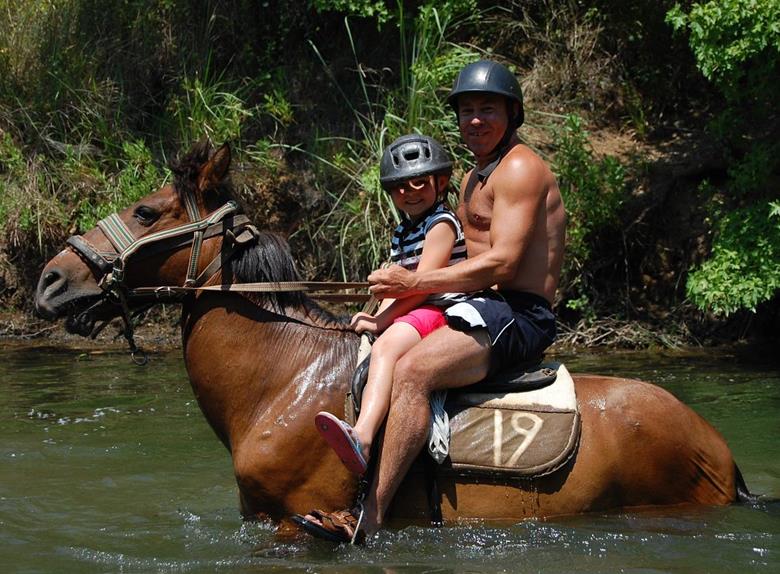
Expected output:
(215, 169)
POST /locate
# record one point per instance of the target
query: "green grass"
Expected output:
(358, 223)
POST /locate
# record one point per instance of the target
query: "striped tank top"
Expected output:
(407, 246)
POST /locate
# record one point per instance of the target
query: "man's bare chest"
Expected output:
(476, 211)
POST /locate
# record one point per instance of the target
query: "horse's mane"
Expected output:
(268, 259)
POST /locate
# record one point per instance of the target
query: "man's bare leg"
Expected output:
(445, 359)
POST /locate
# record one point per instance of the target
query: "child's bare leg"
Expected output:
(392, 344)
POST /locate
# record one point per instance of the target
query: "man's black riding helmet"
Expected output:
(491, 77)
(412, 156)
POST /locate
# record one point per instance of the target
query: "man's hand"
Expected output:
(394, 281)
(364, 323)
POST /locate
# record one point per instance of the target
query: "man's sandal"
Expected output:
(341, 526)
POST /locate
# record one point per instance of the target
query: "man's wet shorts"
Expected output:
(521, 325)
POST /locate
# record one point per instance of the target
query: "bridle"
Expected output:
(110, 266)
(226, 221)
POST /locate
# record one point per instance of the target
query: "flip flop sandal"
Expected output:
(341, 438)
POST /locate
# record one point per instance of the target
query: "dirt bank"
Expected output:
(159, 333)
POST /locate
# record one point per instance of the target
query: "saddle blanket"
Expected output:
(522, 434)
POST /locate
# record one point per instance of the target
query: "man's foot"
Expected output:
(342, 438)
(341, 527)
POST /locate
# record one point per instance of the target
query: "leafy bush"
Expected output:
(365, 8)
(11, 156)
(737, 46)
(593, 190)
(137, 176)
(744, 268)
(726, 35)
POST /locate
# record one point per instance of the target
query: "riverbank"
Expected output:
(159, 332)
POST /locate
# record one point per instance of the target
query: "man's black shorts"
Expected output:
(521, 325)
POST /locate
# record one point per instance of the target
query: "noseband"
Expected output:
(225, 221)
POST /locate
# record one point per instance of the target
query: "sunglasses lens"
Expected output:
(415, 184)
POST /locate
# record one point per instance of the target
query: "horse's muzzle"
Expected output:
(57, 296)
(81, 324)
(48, 295)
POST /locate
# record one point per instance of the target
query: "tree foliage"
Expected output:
(737, 46)
(744, 269)
(729, 36)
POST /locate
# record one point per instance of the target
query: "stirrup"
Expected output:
(359, 522)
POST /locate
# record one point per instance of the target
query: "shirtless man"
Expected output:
(514, 223)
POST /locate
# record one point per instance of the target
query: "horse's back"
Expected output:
(659, 450)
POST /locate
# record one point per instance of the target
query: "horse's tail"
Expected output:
(743, 495)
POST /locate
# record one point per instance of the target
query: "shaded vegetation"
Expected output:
(659, 120)
(737, 47)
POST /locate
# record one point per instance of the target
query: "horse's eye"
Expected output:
(145, 215)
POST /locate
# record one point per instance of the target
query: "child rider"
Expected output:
(415, 170)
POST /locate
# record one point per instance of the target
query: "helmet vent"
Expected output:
(412, 154)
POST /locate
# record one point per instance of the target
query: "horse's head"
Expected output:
(167, 238)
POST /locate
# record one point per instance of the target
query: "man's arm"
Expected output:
(518, 195)
(436, 253)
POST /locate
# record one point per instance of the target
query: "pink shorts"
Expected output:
(425, 319)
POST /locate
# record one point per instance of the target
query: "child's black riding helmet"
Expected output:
(412, 156)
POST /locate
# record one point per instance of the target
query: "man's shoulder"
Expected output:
(521, 166)
(520, 156)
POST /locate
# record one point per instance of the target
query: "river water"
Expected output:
(108, 467)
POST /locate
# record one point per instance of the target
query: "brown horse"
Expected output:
(261, 366)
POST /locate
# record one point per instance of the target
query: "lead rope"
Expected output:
(128, 332)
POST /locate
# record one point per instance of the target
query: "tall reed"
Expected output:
(361, 215)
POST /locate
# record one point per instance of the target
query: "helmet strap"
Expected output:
(500, 151)
(502, 146)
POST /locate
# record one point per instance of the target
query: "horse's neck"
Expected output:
(250, 366)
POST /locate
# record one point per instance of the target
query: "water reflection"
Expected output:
(110, 467)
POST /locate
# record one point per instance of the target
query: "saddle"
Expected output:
(521, 423)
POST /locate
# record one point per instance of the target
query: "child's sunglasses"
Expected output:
(416, 184)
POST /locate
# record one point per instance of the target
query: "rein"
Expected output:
(226, 221)
(312, 287)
